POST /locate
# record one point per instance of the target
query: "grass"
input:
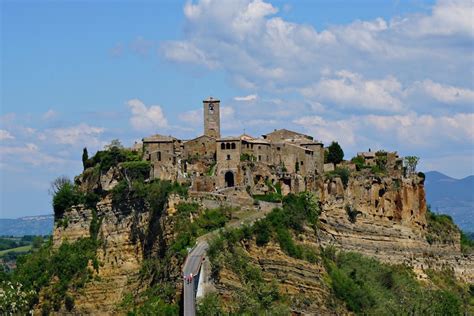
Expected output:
(17, 249)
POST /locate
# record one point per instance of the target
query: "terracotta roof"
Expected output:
(159, 139)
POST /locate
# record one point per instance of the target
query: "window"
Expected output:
(233, 145)
(278, 148)
(222, 146)
(227, 146)
(301, 162)
(228, 157)
(259, 158)
(158, 154)
(259, 147)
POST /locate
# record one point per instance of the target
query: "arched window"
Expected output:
(227, 146)
(233, 145)
(222, 146)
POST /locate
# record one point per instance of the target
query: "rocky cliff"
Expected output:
(380, 216)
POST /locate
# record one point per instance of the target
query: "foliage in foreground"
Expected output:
(368, 287)
(67, 266)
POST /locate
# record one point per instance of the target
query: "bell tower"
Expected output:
(212, 122)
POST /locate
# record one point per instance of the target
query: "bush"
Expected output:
(369, 287)
(64, 198)
(210, 305)
(359, 161)
(342, 173)
(137, 170)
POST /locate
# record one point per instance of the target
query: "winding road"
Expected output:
(195, 257)
(192, 265)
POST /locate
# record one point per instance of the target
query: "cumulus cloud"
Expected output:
(5, 135)
(78, 135)
(445, 93)
(146, 118)
(29, 153)
(247, 98)
(348, 89)
(406, 131)
(261, 50)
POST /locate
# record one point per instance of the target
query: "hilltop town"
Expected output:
(291, 160)
(277, 224)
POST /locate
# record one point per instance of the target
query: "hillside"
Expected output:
(30, 225)
(453, 197)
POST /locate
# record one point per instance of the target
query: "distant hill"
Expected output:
(452, 196)
(29, 225)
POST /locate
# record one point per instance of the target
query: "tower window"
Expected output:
(227, 146)
(228, 157)
(222, 146)
(158, 156)
(259, 158)
(233, 146)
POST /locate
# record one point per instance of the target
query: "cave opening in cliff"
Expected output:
(229, 179)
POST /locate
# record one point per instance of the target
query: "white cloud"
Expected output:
(402, 131)
(259, 50)
(78, 135)
(146, 118)
(28, 153)
(350, 90)
(194, 117)
(49, 114)
(5, 135)
(445, 93)
(248, 98)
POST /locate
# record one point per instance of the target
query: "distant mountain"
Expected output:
(452, 196)
(29, 225)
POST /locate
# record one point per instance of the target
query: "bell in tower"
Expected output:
(212, 123)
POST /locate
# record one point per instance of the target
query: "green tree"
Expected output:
(37, 242)
(85, 157)
(335, 153)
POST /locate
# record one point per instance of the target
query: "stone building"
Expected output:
(211, 162)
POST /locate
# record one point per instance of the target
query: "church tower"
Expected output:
(212, 122)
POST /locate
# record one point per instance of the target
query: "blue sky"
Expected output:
(373, 74)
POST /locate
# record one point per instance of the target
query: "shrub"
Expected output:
(64, 198)
(467, 244)
(210, 305)
(262, 232)
(342, 173)
(136, 170)
(359, 162)
(352, 213)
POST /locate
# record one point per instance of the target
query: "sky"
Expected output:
(394, 75)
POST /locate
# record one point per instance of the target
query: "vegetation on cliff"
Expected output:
(368, 287)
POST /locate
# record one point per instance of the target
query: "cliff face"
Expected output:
(120, 254)
(386, 218)
(382, 217)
